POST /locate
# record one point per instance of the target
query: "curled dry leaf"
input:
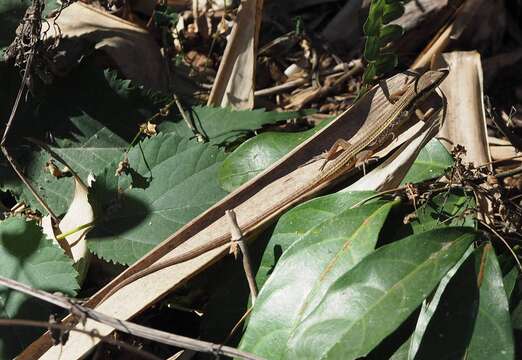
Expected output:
(53, 169)
(123, 167)
(132, 48)
(79, 216)
(148, 129)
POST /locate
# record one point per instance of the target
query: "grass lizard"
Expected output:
(360, 147)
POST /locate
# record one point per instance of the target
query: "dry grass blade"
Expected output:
(464, 90)
(235, 80)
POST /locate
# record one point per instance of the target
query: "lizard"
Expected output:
(362, 145)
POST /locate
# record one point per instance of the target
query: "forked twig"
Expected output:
(237, 237)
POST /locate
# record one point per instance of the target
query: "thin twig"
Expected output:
(3, 146)
(504, 241)
(33, 17)
(239, 322)
(281, 88)
(508, 173)
(66, 328)
(199, 136)
(237, 237)
(127, 326)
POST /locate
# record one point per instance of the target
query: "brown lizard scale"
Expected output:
(373, 137)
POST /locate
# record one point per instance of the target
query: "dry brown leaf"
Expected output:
(53, 169)
(469, 25)
(132, 48)
(503, 152)
(148, 128)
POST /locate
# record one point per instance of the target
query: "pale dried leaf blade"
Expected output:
(79, 214)
(464, 90)
(465, 110)
(235, 80)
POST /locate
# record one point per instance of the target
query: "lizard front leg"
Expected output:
(339, 143)
(422, 116)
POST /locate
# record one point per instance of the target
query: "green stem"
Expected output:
(75, 230)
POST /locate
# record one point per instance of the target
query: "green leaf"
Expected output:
(446, 319)
(224, 125)
(165, 16)
(305, 272)
(27, 256)
(472, 320)
(173, 180)
(372, 49)
(97, 149)
(386, 63)
(446, 209)
(92, 125)
(516, 317)
(510, 280)
(432, 162)
(378, 36)
(369, 74)
(390, 33)
(367, 303)
(301, 220)
(492, 335)
(374, 21)
(392, 11)
(257, 154)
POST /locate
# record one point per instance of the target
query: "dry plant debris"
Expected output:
(116, 88)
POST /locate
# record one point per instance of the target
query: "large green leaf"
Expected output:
(517, 317)
(257, 154)
(173, 180)
(91, 125)
(367, 303)
(306, 270)
(432, 162)
(492, 334)
(224, 125)
(446, 320)
(445, 209)
(96, 122)
(26, 255)
(295, 224)
(472, 320)
(98, 148)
